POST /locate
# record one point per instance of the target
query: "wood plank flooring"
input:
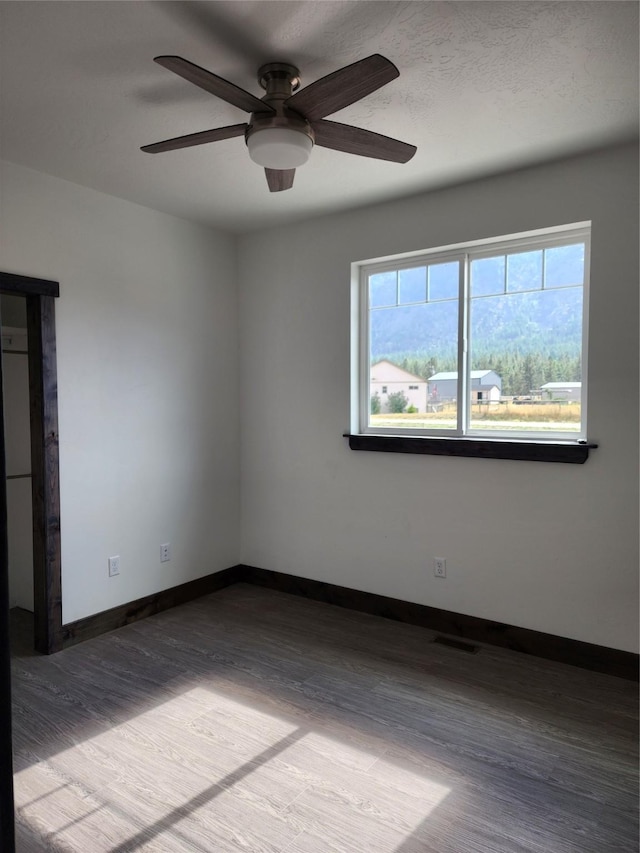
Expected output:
(255, 721)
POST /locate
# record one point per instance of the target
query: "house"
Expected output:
(485, 386)
(203, 334)
(570, 391)
(387, 378)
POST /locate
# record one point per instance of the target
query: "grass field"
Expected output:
(556, 413)
(532, 417)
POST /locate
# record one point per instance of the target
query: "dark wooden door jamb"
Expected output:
(43, 397)
(7, 825)
(43, 394)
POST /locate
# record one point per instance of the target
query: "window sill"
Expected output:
(484, 448)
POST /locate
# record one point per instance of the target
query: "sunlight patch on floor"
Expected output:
(202, 765)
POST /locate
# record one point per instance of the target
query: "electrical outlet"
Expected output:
(165, 552)
(439, 567)
(114, 566)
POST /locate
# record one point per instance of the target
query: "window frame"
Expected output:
(464, 254)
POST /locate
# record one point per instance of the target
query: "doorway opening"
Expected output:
(31, 304)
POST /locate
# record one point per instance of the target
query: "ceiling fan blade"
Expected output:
(343, 87)
(200, 138)
(280, 179)
(365, 143)
(213, 84)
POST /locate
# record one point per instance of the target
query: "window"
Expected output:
(495, 332)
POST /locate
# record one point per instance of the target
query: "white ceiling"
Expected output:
(483, 86)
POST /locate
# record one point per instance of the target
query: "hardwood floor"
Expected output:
(251, 720)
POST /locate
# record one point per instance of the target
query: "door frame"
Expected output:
(7, 823)
(45, 473)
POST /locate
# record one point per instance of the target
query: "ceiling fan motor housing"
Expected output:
(284, 139)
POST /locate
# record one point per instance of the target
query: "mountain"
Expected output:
(527, 338)
(547, 323)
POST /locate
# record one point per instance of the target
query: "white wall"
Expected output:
(148, 398)
(552, 547)
(148, 385)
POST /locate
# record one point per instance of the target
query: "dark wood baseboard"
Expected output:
(124, 614)
(575, 652)
(562, 649)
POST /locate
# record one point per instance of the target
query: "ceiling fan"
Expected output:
(286, 123)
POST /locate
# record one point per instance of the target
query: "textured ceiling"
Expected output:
(483, 86)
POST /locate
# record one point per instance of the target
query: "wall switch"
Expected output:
(165, 552)
(439, 567)
(114, 566)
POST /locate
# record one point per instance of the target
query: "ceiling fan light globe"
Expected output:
(279, 148)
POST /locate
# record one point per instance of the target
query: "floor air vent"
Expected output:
(457, 644)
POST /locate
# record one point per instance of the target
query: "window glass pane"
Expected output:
(412, 285)
(523, 357)
(525, 362)
(444, 280)
(382, 289)
(410, 347)
(524, 271)
(564, 265)
(487, 276)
